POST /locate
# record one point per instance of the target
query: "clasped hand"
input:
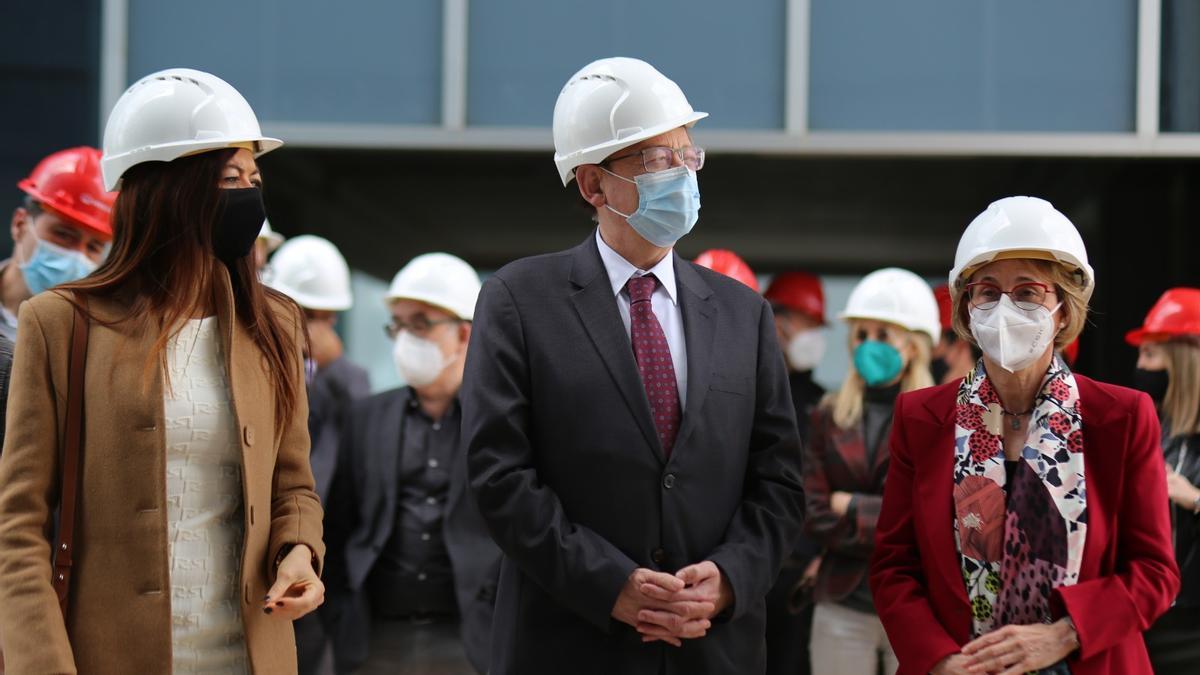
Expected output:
(673, 607)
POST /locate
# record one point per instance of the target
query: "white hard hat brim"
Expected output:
(598, 153)
(464, 313)
(904, 322)
(115, 166)
(340, 303)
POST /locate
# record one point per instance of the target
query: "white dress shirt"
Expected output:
(664, 302)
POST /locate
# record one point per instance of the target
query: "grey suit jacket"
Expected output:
(361, 513)
(577, 490)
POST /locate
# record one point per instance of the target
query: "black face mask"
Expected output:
(939, 368)
(1153, 382)
(241, 217)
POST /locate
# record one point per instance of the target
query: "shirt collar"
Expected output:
(620, 270)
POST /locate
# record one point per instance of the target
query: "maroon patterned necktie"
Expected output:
(654, 359)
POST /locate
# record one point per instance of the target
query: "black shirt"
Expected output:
(413, 575)
(806, 394)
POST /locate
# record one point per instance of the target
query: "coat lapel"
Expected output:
(597, 308)
(383, 452)
(934, 465)
(242, 360)
(699, 330)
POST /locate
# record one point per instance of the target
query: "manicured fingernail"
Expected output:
(279, 604)
(267, 610)
(266, 598)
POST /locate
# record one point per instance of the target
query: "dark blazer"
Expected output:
(577, 490)
(836, 460)
(1128, 577)
(330, 393)
(1186, 521)
(359, 519)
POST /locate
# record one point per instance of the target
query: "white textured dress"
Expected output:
(204, 505)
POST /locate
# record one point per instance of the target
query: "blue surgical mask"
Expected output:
(668, 205)
(877, 362)
(51, 265)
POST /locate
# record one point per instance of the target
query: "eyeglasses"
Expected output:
(419, 325)
(1029, 295)
(660, 158)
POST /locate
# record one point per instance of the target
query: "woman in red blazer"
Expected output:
(1024, 524)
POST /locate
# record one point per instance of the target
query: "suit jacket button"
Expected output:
(658, 556)
(248, 434)
(669, 481)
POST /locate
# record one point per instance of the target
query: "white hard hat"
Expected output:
(896, 296)
(311, 271)
(1021, 227)
(438, 279)
(173, 113)
(273, 238)
(612, 104)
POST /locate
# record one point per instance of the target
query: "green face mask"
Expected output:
(877, 362)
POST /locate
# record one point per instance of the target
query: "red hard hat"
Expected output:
(1176, 313)
(799, 292)
(942, 293)
(69, 182)
(729, 264)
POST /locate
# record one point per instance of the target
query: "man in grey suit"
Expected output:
(629, 429)
(411, 570)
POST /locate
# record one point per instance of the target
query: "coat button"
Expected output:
(669, 481)
(658, 556)
(248, 434)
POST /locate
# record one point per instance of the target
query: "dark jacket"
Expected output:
(836, 460)
(1182, 454)
(574, 483)
(330, 394)
(361, 514)
(1128, 575)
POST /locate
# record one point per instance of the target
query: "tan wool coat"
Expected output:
(120, 604)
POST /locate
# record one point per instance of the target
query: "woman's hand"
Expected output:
(809, 578)
(297, 590)
(839, 502)
(955, 664)
(1181, 491)
(1013, 650)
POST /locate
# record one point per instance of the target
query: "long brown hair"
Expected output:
(1181, 404)
(163, 269)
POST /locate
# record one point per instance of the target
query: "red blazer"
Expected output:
(1128, 576)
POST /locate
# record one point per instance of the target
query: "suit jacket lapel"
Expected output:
(383, 451)
(699, 330)
(597, 309)
(934, 463)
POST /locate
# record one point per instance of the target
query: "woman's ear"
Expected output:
(1064, 315)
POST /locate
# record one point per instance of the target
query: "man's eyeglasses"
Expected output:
(661, 158)
(1027, 296)
(419, 325)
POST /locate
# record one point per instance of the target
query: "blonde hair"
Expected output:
(847, 402)
(1181, 404)
(1067, 283)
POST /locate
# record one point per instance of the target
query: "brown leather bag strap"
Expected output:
(64, 545)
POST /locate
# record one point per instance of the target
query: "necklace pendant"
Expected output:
(1016, 423)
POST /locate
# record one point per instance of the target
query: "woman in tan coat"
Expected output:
(198, 536)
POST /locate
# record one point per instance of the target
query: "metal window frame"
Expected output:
(455, 133)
